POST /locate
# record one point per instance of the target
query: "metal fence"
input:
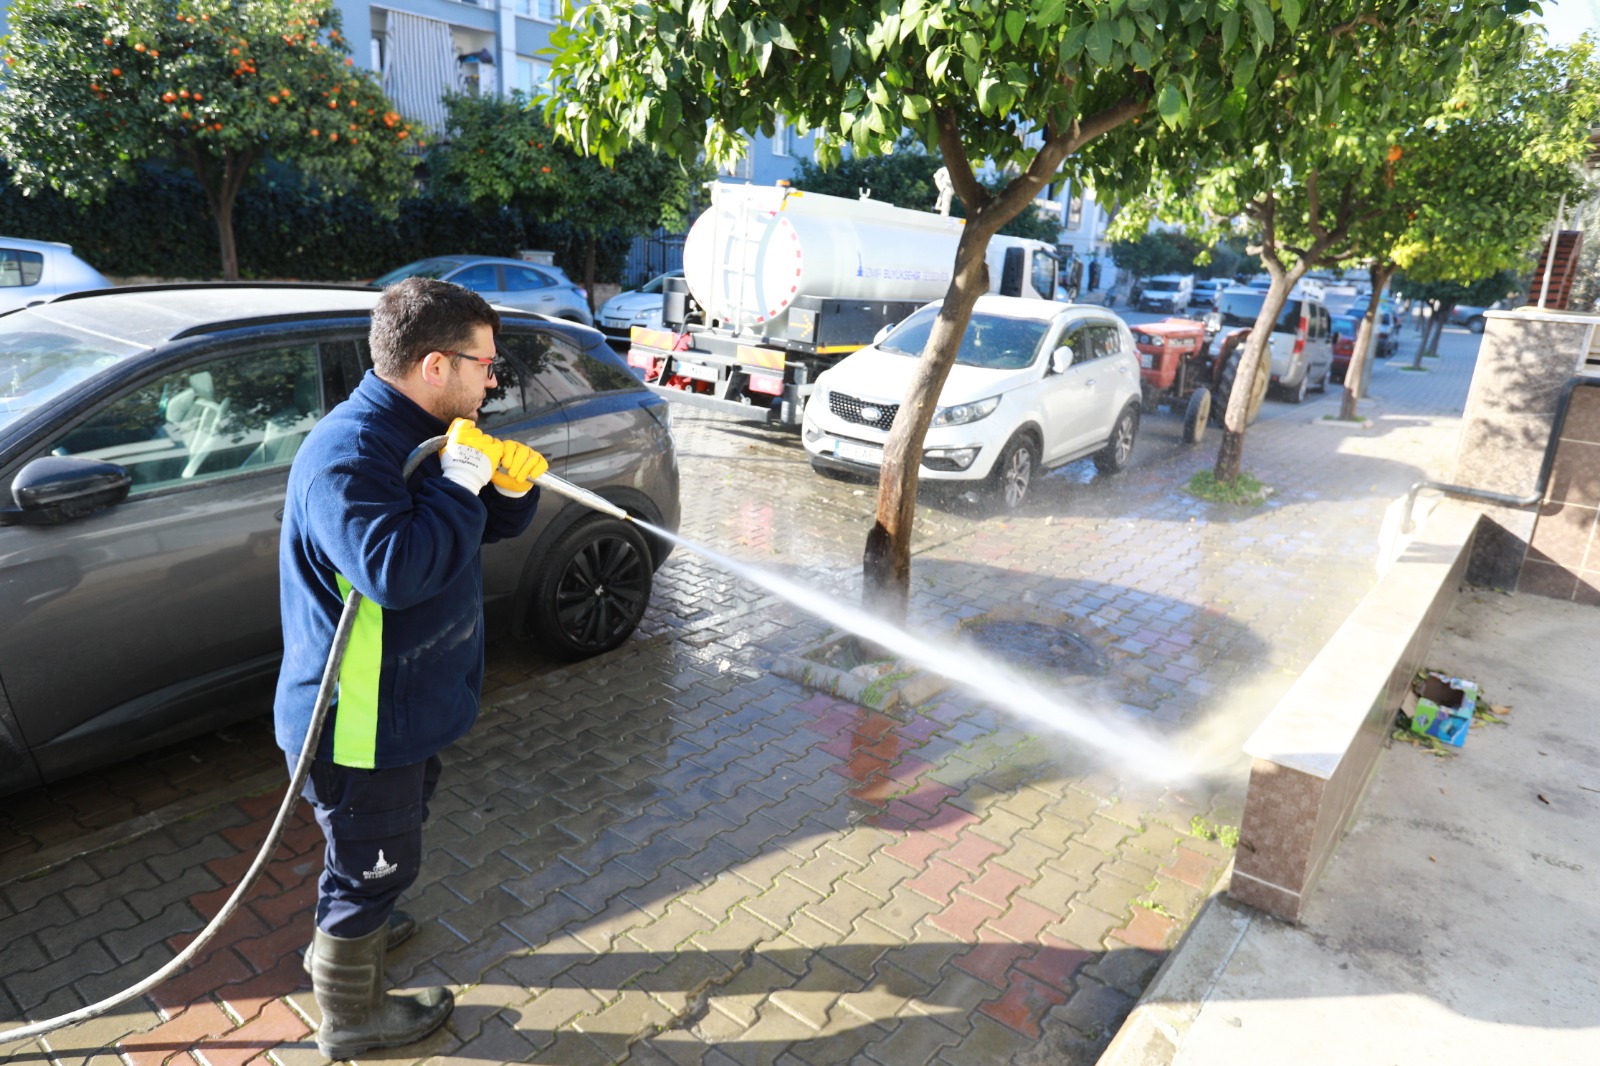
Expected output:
(656, 254)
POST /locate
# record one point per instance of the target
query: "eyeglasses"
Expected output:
(481, 360)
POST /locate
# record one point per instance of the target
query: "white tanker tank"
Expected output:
(758, 248)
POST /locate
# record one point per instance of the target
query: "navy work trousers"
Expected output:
(372, 822)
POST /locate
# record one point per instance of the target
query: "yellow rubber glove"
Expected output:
(469, 455)
(519, 467)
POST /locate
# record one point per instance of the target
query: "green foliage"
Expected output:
(1149, 254)
(903, 177)
(500, 151)
(95, 87)
(288, 228)
(1243, 489)
(1480, 292)
(1483, 176)
(687, 74)
(1226, 835)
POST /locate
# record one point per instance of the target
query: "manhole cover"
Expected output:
(1039, 647)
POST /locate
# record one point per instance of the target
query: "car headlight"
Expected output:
(962, 413)
(640, 316)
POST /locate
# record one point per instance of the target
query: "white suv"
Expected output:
(1035, 385)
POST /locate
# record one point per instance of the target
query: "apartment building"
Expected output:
(423, 49)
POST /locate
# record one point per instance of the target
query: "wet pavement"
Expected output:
(670, 855)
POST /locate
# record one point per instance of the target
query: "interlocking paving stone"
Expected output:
(670, 837)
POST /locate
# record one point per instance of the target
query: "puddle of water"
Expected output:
(1043, 648)
(1119, 741)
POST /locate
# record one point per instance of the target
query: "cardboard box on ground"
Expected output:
(1441, 707)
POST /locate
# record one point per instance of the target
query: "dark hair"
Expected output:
(421, 315)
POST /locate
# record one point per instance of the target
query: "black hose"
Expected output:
(319, 713)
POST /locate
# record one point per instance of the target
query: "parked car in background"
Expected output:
(1301, 340)
(35, 271)
(1206, 291)
(1036, 384)
(636, 307)
(145, 442)
(1469, 316)
(1344, 345)
(1165, 292)
(536, 287)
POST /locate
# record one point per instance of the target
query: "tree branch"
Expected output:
(1058, 145)
(1345, 29)
(972, 193)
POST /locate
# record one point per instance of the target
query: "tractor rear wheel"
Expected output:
(1196, 415)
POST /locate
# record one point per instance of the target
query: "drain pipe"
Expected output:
(1501, 498)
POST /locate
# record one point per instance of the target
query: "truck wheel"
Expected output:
(1113, 458)
(1196, 415)
(1322, 382)
(1013, 474)
(591, 590)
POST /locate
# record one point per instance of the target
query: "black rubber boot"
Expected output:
(401, 927)
(358, 1014)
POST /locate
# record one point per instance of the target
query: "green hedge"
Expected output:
(160, 226)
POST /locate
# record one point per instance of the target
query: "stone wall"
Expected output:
(1525, 361)
(1563, 558)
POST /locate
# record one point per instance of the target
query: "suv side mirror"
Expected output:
(58, 488)
(1061, 359)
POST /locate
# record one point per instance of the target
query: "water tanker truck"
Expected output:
(780, 284)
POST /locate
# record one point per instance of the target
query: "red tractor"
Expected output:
(1176, 371)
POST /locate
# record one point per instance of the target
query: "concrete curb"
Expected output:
(1155, 1031)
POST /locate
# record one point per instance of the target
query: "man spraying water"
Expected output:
(409, 682)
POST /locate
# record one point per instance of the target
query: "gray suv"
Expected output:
(145, 441)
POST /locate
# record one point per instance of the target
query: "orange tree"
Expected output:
(93, 87)
(1028, 85)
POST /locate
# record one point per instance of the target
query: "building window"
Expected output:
(1075, 212)
(543, 10)
(533, 76)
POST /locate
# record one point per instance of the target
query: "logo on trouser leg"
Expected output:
(381, 868)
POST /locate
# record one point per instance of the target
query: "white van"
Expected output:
(1166, 292)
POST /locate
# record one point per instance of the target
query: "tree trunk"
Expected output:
(222, 186)
(1255, 367)
(589, 245)
(1445, 310)
(886, 563)
(886, 560)
(1229, 456)
(1362, 353)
